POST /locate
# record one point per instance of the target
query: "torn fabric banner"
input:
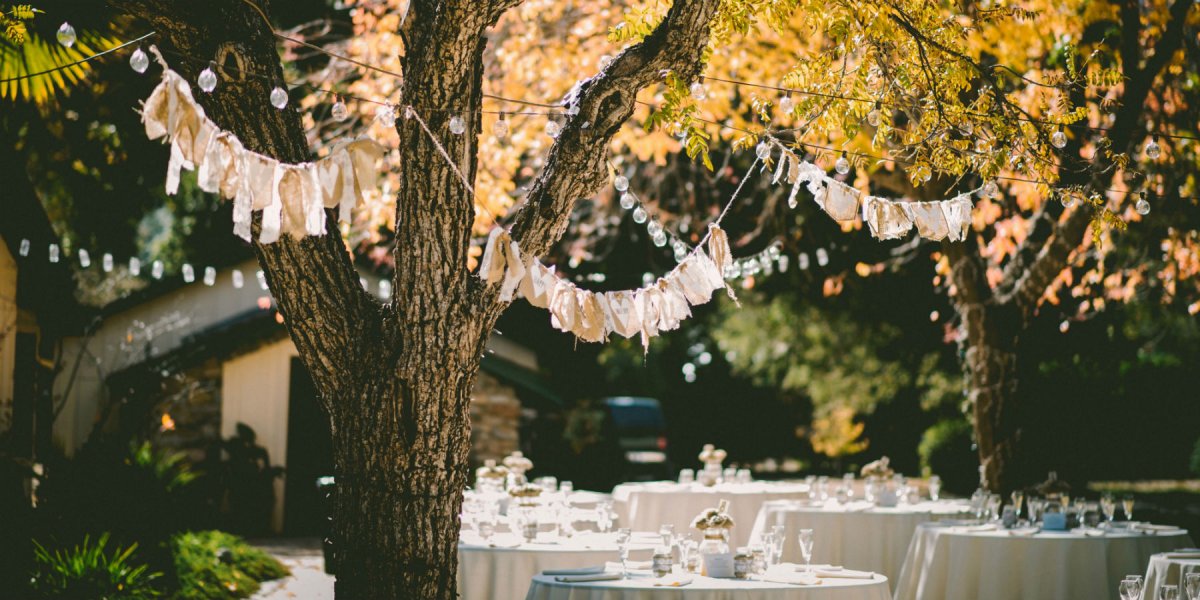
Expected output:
(887, 219)
(291, 197)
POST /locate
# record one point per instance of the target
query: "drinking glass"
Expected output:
(1168, 592)
(1127, 505)
(623, 536)
(485, 526)
(687, 476)
(1018, 498)
(776, 549)
(1130, 589)
(604, 521)
(688, 556)
(993, 507)
(667, 532)
(1035, 509)
(1081, 510)
(1109, 507)
(848, 486)
(935, 487)
(1191, 585)
(768, 542)
(729, 475)
(566, 487)
(744, 476)
(806, 548)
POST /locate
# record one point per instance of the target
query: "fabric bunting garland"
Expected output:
(593, 316)
(887, 219)
(291, 197)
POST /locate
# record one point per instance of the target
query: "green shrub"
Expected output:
(946, 451)
(219, 565)
(1196, 458)
(86, 571)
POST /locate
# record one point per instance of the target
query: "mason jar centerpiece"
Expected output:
(712, 457)
(517, 466)
(880, 487)
(523, 510)
(490, 478)
(714, 524)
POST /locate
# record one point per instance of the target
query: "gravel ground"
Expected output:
(308, 581)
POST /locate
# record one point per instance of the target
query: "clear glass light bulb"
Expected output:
(189, 273)
(207, 80)
(1153, 150)
(106, 262)
(628, 201)
(639, 215)
(989, 190)
(659, 239)
(279, 98)
(680, 254)
(762, 150)
(967, 128)
(982, 146)
(139, 61)
(786, 104)
(135, 266)
(1142, 206)
(621, 182)
(699, 91)
(457, 127)
(66, 35)
(654, 227)
(842, 165)
(500, 129)
(85, 259)
(1059, 139)
(339, 112)
(553, 128)
(873, 117)
(54, 253)
(156, 269)
(1067, 200)
(239, 279)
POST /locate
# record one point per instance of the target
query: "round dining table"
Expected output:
(856, 533)
(500, 568)
(696, 587)
(1169, 568)
(984, 562)
(648, 506)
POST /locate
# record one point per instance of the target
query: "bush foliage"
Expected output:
(219, 565)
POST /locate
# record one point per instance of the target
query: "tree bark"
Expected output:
(396, 380)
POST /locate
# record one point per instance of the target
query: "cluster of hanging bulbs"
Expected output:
(54, 254)
(658, 234)
(765, 262)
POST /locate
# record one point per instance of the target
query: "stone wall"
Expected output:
(495, 415)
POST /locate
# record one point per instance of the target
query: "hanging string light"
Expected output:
(207, 80)
(842, 165)
(1142, 206)
(386, 114)
(339, 112)
(786, 104)
(156, 269)
(24, 249)
(189, 273)
(279, 97)
(1059, 139)
(500, 128)
(106, 262)
(762, 150)
(139, 61)
(135, 266)
(698, 90)
(874, 116)
(54, 253)
(553, 128)
(66, 35)
(85, 259)
(1153, 150)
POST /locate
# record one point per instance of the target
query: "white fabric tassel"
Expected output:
(273, 212)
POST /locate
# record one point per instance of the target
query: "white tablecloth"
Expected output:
(1169, 568)
(705, 588)
(647, 506)
(500, 571)
(953, 563)
(867, 537)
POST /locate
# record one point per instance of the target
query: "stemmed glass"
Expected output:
(768, 543)
(1131, 587)
(1109, 507)
(1018, 498)
(485, 524)
(667, 532)
(604, 519)
(623, 538)
(1081, 510)
(1168, 592)
(935, 487)
(1127, 506)
(806, 548)
(776, 547)
(1191, 585)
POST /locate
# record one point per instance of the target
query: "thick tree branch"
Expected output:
(576, 165)
(315, 285)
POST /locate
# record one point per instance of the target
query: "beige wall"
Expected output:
(254, 391)
(8, 332)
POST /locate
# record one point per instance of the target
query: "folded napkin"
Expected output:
(577, 571)
(632, 565)
(1149, 528)
(673, 581)
(975, 528)
(586, 578)
(1182, 555)
(791, 578)
(840, 573)
(1024, 532)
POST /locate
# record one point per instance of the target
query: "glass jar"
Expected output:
(716, 541)
(742, 563)
(660, 563)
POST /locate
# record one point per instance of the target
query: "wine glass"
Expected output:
(1109, 507)
(1191, 585)
(667, 532)
(768, 543)
(1081, 510)
(1018, 498)
(623, 536)
(776, 549)
(935, 487)
(1131, 587)
(806, 548)
(485, 525)
(687, 476)
(1168, 592)
(604, 521)
(1127, 506)
(566, 488)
